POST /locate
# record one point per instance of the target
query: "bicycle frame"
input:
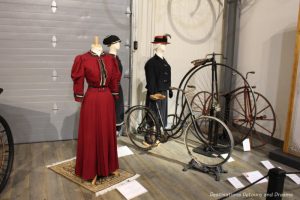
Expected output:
(201, 63)
(180, 123)
(197, 65)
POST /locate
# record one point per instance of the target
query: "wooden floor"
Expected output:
(160, 170)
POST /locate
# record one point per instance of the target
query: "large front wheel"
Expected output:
(223, 83)
(208, 141)
(142, 127)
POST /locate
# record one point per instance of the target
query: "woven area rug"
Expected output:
(67, 169)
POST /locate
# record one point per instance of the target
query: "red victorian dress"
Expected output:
(97, 144)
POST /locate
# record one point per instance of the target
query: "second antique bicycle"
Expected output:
(247, 113)
(207, 139)
(224, 89)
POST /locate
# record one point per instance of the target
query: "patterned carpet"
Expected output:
(67, 169)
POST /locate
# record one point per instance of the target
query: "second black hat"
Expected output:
(111, 39)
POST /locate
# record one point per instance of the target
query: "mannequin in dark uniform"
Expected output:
(158, 78)
(113, 42)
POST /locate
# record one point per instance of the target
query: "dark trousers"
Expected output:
(162, 106)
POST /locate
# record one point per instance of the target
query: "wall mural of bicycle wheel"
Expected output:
(193, 21)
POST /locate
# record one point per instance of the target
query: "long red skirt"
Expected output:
(97, 143)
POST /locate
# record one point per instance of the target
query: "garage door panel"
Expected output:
(35, 70)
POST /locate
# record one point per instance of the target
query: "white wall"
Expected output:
(191, 38)
(266, 45)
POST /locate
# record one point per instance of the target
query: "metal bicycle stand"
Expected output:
(215, 171)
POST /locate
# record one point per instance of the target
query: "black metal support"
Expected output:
(276, 183)
(215, 171)
(230, 40)
(231, 31)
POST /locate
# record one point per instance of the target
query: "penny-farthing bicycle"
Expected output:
(6, 151)
(207, 139)
(225, 90)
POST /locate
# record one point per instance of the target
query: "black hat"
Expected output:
(161, 39)
(111, 39)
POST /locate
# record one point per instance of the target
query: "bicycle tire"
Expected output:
(6, 152)
(265, 122)
(142, 127)
(204, 151)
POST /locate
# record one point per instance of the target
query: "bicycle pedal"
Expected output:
(157, 143)
(146, 144)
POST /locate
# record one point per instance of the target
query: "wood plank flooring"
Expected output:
(160, 170)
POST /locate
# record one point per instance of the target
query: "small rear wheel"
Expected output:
(265, 123)
(201, 103)
(243, 118)
(142, 127)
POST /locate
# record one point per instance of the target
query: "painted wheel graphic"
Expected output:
(192, 20)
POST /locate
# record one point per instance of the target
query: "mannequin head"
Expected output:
(113, 42)
(96, 48)
(113, 48)
(160, 43)
(160, 49)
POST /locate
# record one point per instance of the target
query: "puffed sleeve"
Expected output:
(150, 77)
(77, 76)
(115, 77)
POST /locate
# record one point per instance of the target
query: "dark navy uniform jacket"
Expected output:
(158, 75)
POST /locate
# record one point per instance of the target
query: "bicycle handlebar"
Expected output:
(184, 91)
(251, 72)
(216, 54)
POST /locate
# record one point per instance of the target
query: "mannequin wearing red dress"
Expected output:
(97, 145)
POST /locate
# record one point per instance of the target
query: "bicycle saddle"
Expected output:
(157, 96)
(1, 90)
(199, 62)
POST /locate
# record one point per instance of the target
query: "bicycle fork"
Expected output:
(162, 125)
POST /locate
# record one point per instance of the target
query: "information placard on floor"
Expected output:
(124, 151)
(246, 145)
(131, 189)
(294, 177)
(254, 176)
(225, 156)
(236, 182)
(267, 164)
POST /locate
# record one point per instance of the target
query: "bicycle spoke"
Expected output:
(201, 100)
(257, 97)
(239, 103)
(264, 119)
(239, 121)
(198, 107)
(239, 112)
(263, 127)
(268, 106)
